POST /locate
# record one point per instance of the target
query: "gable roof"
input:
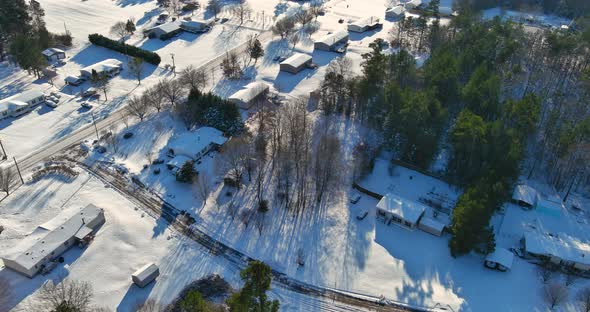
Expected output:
(406, 209)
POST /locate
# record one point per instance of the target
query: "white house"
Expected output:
(432, 226)
(75, 229)
(145, 275)
(331, 42)
(164, 31)
(395, 12)
(196, 144)
(296, 63)
(54, 54)
(365, 24)
(247, 96)
(110, 67)
(560, 249)
(405, 213)
(20, 104)
(413, 4)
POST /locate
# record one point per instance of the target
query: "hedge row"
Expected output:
(148, 56)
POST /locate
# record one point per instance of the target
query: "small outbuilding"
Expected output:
(164, 31)
(296, 63)
(196, 26)
(195, 145)
(369, 23)
(110, 67)
(74, 80)
(54, 54)
(246, 97)
(501, 259)
(405, 213)
(431, 226)
(332, 42)
(413, 4)
(524, 196)
(395, 12)
(145, 275)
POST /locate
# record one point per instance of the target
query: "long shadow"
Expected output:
(354, 36)
(147, 16)
(274, 49)
(124, 3)
(286, 82)
(135, 296)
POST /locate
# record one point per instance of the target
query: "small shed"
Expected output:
(109, 67)
(196, 26)
(362, 25)
(164, 31)
(246, 97)
(54, 54)
(413, 4)
(331, 42)
(73, 80)
(145, 275)
(404, 212)
(296, 63)
(431, 226)
(501, 259)
(525, 196)
(395, 12)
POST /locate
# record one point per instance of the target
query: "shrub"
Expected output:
(187, 173)
(148, 56)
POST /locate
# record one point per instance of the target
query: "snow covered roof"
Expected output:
(525, 193)
(413, 4)
(178, 160)
(432, 223)
(190, 144)
(333, 38)
(561, 245)
(366, 22)
(501, 256)
(19, 100)
(405, 209)
(297, 59)
(396, 10)
(52, 51)
(145, 272)
(250, 92)
(59, 236)
(196, 23)
(106, 65)
(167, 27)
(549, 205)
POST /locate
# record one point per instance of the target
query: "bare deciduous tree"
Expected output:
(7, 177)
(232, 158)
(136, 68)
(172, 89)
(554, 294)
(327, 164)
(294, 40)
(203, 187)
(149, 305)
(119, 30)
(155, 98)
(544, 273)
(68, 295)
(214, 6)
(241, 10)
(193, 78)
(303, 16)
(137, 106)
(283, 27)
(231, 66)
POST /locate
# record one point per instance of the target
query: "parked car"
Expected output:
(51, 103)
(86, 104)
(89, 92)
(74, 80)
(162, 19)
(56, 94)
(127, 135)
(100, 149)
(355, 198)
(53, 98)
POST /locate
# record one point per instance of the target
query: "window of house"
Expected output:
(408, 224)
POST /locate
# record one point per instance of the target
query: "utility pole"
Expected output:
(4, 156)
(173, 64)
(18, 170)
(95, 128)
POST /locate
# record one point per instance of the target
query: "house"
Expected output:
(395, 12)
(248, 96)
(525, 196)
(145, 275)
(501, 260)
(369, 23)
(196, 26)
(46, 251)
(296, 63)
(405, 213)
(164, 31)
(54, 54)
(432, 226)
(196, 144)
(560, 249)
(413, 4)
(20, 104)
(177, 161)
(332, 42)
(110, 67)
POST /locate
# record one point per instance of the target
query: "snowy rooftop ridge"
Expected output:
(297, 59)
(333, 37)
(19, 100)
(102, 66)
(407, 209)
(561, 245)
(249, 92)
(366, 22)
(193, 144)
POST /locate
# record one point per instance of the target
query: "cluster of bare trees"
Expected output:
(7, 178)
(555, 292)
(305, 16)
(167, 92)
